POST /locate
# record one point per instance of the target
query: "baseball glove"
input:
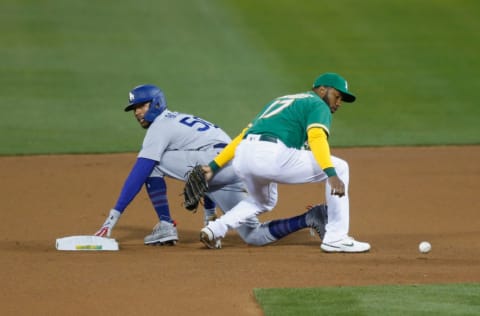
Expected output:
(195, 188)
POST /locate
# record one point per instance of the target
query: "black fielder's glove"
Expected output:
(195, 187)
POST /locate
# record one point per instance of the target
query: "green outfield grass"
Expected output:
(392, 300)
(67, 67)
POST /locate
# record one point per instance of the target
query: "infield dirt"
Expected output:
(399, 197)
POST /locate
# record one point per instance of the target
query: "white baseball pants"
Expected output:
(261, 165)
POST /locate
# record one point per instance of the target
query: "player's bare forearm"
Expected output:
(337, 186)
(208, 172)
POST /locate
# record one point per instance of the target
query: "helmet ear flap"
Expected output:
(157, 106)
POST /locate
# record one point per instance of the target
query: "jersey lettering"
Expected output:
(193, 120)
(276, 107)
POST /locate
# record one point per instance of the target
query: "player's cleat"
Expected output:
(207, 238)
(211, 218)
(347, 244)
(103, 232)
(164, 233)
(316, 218)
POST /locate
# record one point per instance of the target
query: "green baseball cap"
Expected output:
(336, 81)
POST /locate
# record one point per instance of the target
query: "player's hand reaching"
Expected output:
(337, 186)
(104, 231)
(208, 172)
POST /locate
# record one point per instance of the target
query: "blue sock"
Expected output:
(209, 209)
(282, 227)
(208, 203)
(157, 191)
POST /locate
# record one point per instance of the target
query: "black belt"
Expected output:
(220, 145)
(267, 138)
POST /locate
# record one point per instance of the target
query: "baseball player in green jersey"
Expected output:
(272, 150)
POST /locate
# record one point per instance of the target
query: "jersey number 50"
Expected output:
(192, 120)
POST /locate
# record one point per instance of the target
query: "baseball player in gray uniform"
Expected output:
(174, 142)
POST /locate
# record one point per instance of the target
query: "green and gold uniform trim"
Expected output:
(322, 126)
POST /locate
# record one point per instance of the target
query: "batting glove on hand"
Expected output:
(106, 229)
(104, 232)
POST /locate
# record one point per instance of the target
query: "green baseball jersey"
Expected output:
(289, 118)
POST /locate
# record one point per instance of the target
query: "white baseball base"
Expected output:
(86, 243)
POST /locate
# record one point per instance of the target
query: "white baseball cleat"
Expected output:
(218, 241)
(207, 238)
(347, 244)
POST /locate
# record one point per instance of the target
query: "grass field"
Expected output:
(67, 68)
(392, 300)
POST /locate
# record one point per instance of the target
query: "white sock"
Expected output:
(209, 213)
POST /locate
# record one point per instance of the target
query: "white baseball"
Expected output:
(424, 247)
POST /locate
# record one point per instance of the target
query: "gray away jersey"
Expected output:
(172, 131)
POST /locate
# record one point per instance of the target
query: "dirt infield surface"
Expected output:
(399, 197)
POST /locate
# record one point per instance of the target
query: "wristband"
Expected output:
(214, 166)
(330, 171)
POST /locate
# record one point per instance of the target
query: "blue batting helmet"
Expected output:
(147, 93)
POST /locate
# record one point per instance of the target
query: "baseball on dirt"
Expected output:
(424, 247)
